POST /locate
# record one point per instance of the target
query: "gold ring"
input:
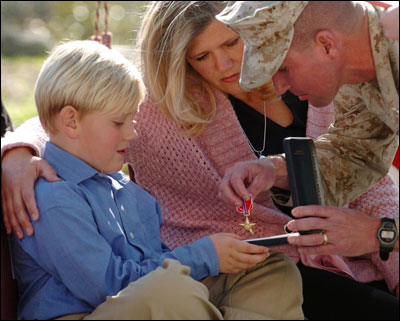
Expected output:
(325, 238)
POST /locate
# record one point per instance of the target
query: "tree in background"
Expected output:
(34, 27)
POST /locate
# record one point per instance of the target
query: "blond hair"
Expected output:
(166, 31)
(90, 77)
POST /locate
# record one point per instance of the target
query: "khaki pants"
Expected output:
(270, 290)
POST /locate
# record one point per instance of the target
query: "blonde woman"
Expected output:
(195, 123)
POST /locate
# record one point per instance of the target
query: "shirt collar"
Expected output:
(66, 165)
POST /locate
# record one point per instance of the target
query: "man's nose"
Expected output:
(280, 83)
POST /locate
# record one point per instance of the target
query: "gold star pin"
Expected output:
(247, 226)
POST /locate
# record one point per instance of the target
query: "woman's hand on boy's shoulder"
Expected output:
(19, 172)
(235, 255)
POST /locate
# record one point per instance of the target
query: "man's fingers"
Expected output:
(306, 224)
(306, 240)
(314, 210)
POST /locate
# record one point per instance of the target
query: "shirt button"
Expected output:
(122, 208)
(131, 235)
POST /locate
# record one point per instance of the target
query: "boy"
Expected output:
(96, 252)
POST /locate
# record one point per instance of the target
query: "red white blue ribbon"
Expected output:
(246, 207)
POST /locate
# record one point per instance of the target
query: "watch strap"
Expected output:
(384, 255)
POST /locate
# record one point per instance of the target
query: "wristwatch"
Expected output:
(387, 236)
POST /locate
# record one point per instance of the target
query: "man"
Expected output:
(324, 51)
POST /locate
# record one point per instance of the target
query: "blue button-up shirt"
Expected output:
(96, 234)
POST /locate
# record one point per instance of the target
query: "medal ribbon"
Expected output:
(246, 207)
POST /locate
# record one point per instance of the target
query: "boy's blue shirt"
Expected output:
(96, 234)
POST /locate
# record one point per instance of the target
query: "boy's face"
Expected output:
(104, 139)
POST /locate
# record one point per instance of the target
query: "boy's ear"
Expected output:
(68, 121)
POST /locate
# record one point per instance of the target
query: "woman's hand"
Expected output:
(235, 255)
(251, 178)
(19, 172)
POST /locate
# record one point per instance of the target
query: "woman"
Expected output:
(189, 132)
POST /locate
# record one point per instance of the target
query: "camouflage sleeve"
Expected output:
(357, 151)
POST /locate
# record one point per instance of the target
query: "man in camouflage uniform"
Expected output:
(322, 51)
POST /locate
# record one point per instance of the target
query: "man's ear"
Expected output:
(69, 121)
(327, 44)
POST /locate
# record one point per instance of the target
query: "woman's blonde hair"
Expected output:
(90, 77)
(166, 31)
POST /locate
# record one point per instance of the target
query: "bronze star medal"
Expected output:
(247, 226)
(245, 209)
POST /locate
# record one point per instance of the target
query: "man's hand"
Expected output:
(349, 232)
(19, 172)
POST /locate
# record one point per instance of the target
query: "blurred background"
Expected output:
(30, 29)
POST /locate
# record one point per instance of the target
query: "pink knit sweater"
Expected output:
(184, 174)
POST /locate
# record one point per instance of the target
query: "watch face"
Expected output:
(387, 235)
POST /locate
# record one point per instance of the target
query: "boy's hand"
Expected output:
(235, 255)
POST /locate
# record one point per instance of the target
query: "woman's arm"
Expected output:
(20, 169)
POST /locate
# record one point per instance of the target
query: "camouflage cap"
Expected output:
(266, 28)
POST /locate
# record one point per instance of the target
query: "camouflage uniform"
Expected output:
(360, 146)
